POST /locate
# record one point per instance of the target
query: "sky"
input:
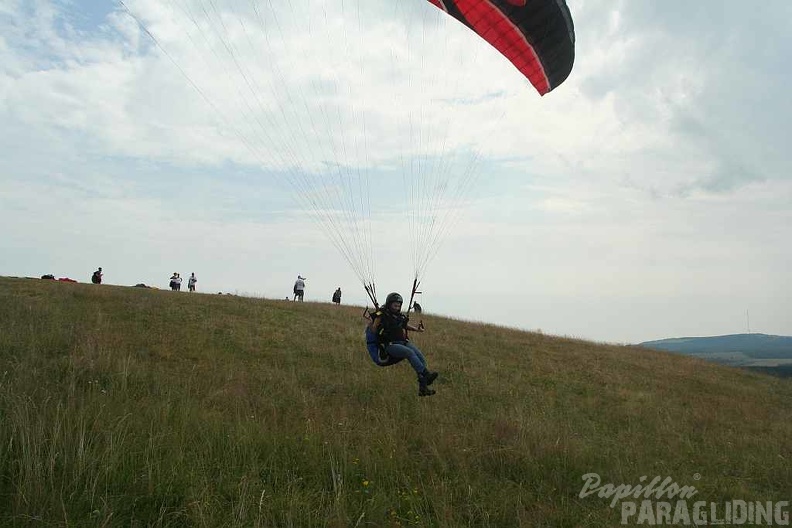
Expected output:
(647, 197)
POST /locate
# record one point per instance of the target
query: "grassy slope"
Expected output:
(125, 406)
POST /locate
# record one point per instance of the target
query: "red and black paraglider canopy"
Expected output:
(537, 36)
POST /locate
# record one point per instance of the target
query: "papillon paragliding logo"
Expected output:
(661, 501)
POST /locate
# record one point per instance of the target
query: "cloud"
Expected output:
(695, 76)
(653, 181)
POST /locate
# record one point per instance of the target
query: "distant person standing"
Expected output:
(337, 296)
(191, 282)
(96, 278)
(299, 288)
(174, 282)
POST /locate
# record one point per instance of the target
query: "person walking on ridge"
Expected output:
(299, 288)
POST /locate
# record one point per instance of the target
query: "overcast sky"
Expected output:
(648, 196)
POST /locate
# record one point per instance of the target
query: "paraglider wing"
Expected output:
(537, 36)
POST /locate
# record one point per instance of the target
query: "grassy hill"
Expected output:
(134, 407)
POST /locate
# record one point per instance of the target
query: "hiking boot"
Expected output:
(429, 377)
(423, 390)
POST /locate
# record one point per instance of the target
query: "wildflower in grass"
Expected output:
(365, 486)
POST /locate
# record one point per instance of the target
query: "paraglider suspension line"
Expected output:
(371, 291)
(415, 291)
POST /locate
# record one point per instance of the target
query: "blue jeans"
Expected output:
(408, 351)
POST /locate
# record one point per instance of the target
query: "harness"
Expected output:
(393, 327)
(392, 330)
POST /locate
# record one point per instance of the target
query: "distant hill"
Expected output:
(769, 353)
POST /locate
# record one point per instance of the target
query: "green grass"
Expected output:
(134, 407)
